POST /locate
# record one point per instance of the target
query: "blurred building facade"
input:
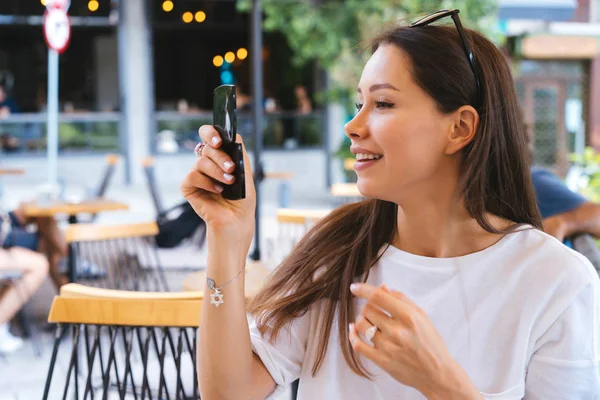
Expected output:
(555, 48)
(138, 77)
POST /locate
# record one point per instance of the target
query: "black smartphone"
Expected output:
(225, 122)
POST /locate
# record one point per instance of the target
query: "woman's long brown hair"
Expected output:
(343, 247)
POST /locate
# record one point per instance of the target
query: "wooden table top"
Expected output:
(255, 276)
(345, 190)
(297, 216)
(11, 171)
(33, 209)
(279, 175)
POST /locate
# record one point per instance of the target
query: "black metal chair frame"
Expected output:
(137, 342)
(133, 276)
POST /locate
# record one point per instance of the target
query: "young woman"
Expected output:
(441, 285)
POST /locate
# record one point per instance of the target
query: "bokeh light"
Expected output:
(200, 16)
(229, 57)
(167, 6)
(187, 17)
(93, 5)
(218, 61)
(242, 53)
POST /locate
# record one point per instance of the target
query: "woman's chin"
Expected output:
(373, 189)
(366, 188)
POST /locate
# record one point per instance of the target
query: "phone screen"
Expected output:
(225, 112)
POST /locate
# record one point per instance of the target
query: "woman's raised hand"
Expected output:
(203, 185)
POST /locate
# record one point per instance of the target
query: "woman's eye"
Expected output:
(378, 104)
(383, 104)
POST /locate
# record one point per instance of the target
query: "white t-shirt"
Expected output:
(521, 317)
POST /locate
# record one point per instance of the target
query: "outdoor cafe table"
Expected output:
(34, 209)
(344, 193)
(345, 190)
(11, 171)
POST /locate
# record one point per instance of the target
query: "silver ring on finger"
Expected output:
(199, 148)
(370, 333)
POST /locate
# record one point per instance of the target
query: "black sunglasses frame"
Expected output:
(463, 37)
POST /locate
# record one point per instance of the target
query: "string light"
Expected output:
(242, 53)
(167, 6)
(93, 5)
(218, 61)
(229, 57)
(187, 17)
(200, 16)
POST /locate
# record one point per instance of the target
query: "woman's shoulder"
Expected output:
(546, 259)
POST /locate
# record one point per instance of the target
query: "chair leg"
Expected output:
(60, 330)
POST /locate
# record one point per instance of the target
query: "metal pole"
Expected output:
(52, 128)
(122, 47)
(257, 107)
(324, 84)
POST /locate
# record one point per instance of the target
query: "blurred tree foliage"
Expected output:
(588, 164)
(336, 33)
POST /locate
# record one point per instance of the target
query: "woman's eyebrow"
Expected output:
(380, 86)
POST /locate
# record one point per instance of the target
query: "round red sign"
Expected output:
(57, 29)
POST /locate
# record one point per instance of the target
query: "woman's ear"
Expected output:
(465, 123)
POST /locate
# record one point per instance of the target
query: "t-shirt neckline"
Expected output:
(395, 254)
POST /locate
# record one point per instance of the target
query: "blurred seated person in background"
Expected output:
(242, 100)
(564, 212)
(303, 104)
(48, 240)
(9, 143)
(7, 105)
(183, 106)
(34, 268)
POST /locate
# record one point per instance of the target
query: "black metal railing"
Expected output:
(78, 132)
(281, 130)
(99, 131)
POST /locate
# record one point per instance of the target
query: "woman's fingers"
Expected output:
(196, 180)
(209, 135)
(363, 348)
(219, 158)
(367, 329)
(376, 317)
(209, 168)
(376, 296)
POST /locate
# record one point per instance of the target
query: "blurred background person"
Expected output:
(34, 268)
(564, 212)
(303, 103)
(48, 239)
(7, 104)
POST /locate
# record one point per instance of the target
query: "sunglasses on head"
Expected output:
(461, 32)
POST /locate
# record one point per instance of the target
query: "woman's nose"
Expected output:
(355, 128)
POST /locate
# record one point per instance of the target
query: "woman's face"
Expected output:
(398, 135)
